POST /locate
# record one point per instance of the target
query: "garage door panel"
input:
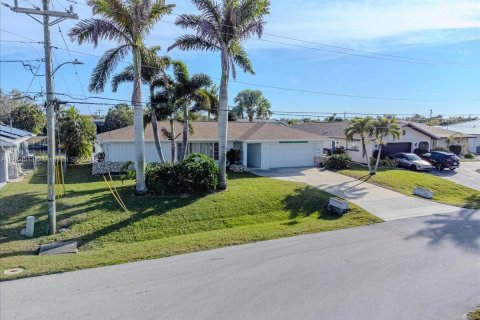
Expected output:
(396, 147)
(292, 155)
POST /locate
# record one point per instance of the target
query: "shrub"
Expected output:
(455, 148)
(383, 155)
(386, 163)
(339, 150)
(470, 156)
(420, 151)
(338, 162)
(196, 174)
(234, 156)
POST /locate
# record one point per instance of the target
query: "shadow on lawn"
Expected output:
(463, 230)
(473, 202)
(307, 201)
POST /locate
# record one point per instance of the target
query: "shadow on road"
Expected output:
(463, 230)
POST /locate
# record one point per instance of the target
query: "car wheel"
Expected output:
(439, 167)
(414, 167)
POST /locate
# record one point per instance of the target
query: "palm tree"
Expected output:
(383, 127)
(127, 22)
(168, 109)
(364, 128)
(207, 101)
(223, 27)
(252, 103)
(187, 91)
(153, 74)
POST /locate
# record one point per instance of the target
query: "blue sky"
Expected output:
(444, 31)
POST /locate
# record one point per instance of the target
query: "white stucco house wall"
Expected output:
(263, 145)
(13, 146)
(470, 128)
(414, 136)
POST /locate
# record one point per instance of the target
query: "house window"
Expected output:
(423, 145)
(215, 149)
(353, 145)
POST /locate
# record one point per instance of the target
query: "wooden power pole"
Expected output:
(59, 16)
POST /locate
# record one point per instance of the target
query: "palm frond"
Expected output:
(200, 80)
(93, 30)
(210, 10)
(240, 57)
(105, 67)
(193, 42)
(156, 11)
(180, 72)
(127, 75)
(115, 10)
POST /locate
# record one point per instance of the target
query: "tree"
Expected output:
(127, 22)
(333, 118)
(383, 127)
(187, 90)
(223, 27)
(168, 108)
(364, 128)
(153, 74)
(208, 101)
(77, 134)
(118, 117)
(29, 117)
(253, 104)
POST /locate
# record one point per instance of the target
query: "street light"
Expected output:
(68, 62)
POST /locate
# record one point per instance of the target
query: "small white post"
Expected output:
(30, 226)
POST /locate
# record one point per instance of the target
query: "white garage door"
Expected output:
(284, 155)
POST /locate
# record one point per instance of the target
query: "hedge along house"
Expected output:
(414, 136)
(13, 147)
(262, 145)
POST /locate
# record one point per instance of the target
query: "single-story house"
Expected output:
(470, 128)
(13, 147)
(263, 145)
(414, 136)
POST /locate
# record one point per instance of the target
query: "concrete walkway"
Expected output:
(386, 204)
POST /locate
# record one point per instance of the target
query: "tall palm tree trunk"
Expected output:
(365, 154)
(223, 125)
(153, 114)
(185, 133)
(172, 140)
(378, 158)
(141, 187)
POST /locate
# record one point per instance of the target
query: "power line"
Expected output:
(369, 54)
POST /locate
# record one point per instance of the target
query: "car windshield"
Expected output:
(413, 157)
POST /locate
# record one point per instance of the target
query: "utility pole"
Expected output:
(60, 16)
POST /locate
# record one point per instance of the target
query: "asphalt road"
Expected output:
(466, 175)
(419, 268)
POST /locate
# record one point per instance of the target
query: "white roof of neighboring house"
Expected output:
(470, 127)
(10, 136)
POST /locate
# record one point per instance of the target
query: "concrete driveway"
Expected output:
(466, 175)
(384, 203)
(424, 268)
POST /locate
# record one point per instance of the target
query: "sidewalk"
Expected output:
(385, 204)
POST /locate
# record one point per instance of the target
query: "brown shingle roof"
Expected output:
(329, 129)
(208, 131)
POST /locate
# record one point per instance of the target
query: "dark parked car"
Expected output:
(442, 160)
(412, 161)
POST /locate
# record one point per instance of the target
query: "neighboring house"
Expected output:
(99, 124)
(13, 147)
(470, 128)
(414, 136)
(263, 145)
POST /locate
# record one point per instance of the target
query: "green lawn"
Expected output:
(404, 181)
(252, 209)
